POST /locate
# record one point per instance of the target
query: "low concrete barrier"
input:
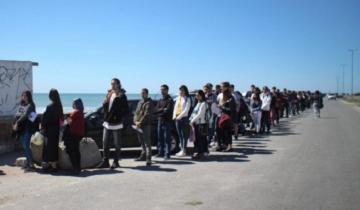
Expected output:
(7, 143)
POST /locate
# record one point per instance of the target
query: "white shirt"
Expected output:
(198, 115)
(266, 101)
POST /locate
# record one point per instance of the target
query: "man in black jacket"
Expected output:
(164, 110)
(115, 107)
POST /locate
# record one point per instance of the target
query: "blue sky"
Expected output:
(81, 45)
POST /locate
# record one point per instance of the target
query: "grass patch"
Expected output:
(354, 99)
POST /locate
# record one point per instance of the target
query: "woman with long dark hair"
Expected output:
(51, 121)
(227, 106)
(200, 122)
(180, 115)
(24, 125)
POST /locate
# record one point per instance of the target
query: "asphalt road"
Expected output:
(306, 164)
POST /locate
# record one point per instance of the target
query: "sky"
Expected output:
(81, 45)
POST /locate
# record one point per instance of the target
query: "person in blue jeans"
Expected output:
(24, 125)
(163, 111)
(180, 115)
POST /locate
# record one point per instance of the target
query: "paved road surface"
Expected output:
(306, 164)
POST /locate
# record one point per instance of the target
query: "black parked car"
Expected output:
(94, 128)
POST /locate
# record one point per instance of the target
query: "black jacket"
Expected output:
(164, 109)
(229, 108)
(119, 109)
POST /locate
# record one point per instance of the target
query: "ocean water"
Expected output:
(91, 101)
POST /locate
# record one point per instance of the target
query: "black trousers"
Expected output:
(265, 121)
(72, 148)
(225, 134)
(201, 143)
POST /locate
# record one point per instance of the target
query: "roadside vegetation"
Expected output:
(354, 99)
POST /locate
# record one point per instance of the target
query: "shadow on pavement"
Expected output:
(328, 118)
(224, 158)
(174, 161)
(285, 134)
(84, 173)
(151, 168)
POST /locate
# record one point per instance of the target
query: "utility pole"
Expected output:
(343, 78)
(352, 71)
(337, 85)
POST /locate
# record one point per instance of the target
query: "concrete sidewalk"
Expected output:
(306, 163)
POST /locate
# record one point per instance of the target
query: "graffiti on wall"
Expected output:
(15, 77)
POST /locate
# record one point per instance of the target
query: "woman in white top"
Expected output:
(180, 115)
(200, 122)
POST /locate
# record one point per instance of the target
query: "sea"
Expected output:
(92, 101)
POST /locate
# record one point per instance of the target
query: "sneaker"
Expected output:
(166, 158)
(229, 149)
(148, 160)
(115, 164)
(159, 156)
(29, 168)
(181, 154)
(104, 164)
(197, 156)
(141, 158)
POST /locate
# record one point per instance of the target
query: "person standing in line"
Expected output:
(237, 98)
(249, 94)
(317, 103)
(52, 120)
(217, 90)
(274, 110)
(255, 106)
(76, 124)
(265, 108)
(163, 111)
(115, 107)
(24, 126)
(200, 124)
(143, 123)
(244, 114)
(279, 105)
(227, 106)
(286, 103)
(180, 115)
(211, 102)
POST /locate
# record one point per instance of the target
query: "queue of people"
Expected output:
(210, 118)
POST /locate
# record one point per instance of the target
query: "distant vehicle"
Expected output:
(331, 96)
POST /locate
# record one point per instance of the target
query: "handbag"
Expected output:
(224, 118)
(204, 129)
